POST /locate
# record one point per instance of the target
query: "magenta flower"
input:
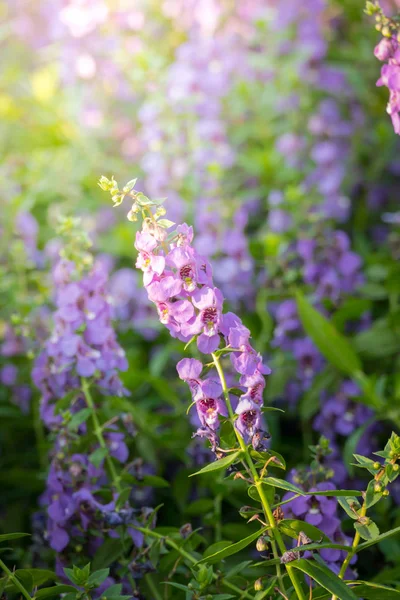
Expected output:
(209, 302)
(189, 370)
(147, 261)
(210, 405)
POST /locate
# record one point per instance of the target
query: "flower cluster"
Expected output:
(322, 512)
(388, 51)
(179, 281)
(327, 263)
(83, 342)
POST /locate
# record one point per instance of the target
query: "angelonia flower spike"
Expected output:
(179, 281)
(228, 390)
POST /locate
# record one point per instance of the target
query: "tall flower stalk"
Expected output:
(179, 282)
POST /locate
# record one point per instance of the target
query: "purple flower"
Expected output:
(249, 419)
(147, 261)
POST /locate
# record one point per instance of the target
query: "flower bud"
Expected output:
(395, 467)
(185, 530)
(376, 465)
(377, 488)
(258, 585)
(262, 543)
(385, 493)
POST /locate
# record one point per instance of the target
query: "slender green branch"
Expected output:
(99, 435)
(354, 546)
(15, 581)
(276, 534)
(191, 559)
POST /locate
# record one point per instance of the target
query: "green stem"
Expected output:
(15, 581)
(99, 435)
(191, 559)
(353, 551)
(276, 534)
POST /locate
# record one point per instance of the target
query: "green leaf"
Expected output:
(123, 497)
(262, 457)
(283, 485)
(179, 586)
(322, 546)
(311, 400)
(349, 502)
(374, 591)
(79, 418)
(166, 223)
(379, 538)
(54, 592)
(232, 549)
(113, 590)
(97, 578)
(292, 528)
(336, 348)
(378, 341)
(367, 532)
(26, 579)
(200, 506)
(214, 548)
(269, 491)
(335, 493)
(12, 536)
(371, 496)
(107, 553)
(39, 576)
(325, 577)
(222, 463)
(365, 463)
(97, 457)
(155, 481)
(352, 442)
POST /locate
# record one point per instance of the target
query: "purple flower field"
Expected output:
(199, 366)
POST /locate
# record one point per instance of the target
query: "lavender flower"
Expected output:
(83, 342)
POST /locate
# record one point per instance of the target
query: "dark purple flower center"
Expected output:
(208, 405)
(186, 272)
(249, 417)
(255, 391)
(210, 315)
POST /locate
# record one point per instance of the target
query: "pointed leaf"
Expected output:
(292, 528)
(283, 485)
(335, 493)
(348, 503)
(232, 549)
(379, 538)
(374, 591)
(222, 463)
(12, 536)
(335, 347)
(324, 577)
(54, 592)
(367, 532)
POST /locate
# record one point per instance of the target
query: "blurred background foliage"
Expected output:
(218, 106)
